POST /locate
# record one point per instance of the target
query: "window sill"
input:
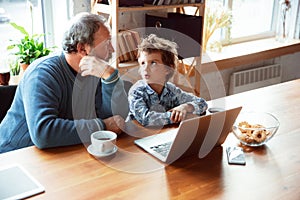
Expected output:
(247, 53)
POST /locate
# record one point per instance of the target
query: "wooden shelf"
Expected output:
(103, 8)
(126, 66)
(161, 7)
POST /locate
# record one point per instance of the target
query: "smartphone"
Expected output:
(235, 155)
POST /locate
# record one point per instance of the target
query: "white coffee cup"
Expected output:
(104, 141)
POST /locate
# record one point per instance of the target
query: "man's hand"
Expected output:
(115, 123)
(91, 65)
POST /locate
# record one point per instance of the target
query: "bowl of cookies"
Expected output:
(255, 128)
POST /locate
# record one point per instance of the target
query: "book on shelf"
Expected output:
(167, 2)
(129, 44)
(148, 1)
(136, 37)
(120, 56)
(123, 55)
(158, 2)
(175, 1)
(128, 41)
(128, 3)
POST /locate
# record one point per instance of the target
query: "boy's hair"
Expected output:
(166, 48)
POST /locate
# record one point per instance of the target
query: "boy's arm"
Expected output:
(199, 104)
(139, 110)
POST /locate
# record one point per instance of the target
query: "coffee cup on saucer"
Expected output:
(103, 143)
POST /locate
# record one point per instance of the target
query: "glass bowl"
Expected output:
(255, 128)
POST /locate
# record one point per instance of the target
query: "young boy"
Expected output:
(153, 101)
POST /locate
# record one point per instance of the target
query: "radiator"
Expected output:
(254, 78)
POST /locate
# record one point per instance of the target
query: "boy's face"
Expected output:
(152, 69)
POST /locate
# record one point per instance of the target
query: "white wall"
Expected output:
(291, 66)
(77, 6)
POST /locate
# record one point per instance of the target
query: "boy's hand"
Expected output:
(179, 113)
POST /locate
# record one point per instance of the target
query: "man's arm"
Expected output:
(49, 113)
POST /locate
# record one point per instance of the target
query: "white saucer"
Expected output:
(95, 153)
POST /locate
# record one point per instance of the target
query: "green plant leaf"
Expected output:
(19, 28)
(30, 47)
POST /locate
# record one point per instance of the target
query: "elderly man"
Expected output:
(63, 98)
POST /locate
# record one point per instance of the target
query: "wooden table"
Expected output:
(271, 171)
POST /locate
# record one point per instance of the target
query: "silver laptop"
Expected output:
(196, 136)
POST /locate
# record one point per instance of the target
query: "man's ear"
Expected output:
(81, 49)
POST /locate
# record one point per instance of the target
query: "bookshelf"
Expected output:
(189, 68)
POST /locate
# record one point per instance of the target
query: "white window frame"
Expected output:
(268, 34)
(56, 14)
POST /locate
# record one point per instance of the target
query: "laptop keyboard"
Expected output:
(162, 149)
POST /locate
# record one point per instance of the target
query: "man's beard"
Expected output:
(109, 57)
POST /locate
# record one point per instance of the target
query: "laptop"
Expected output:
(195, 136)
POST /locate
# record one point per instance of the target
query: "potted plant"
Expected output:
(14, 67)
(14, 70)
(30, 47)
(216, 16)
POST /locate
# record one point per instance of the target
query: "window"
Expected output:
(56, 14)
(251, 19)
(18, 11)
(44, 16)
